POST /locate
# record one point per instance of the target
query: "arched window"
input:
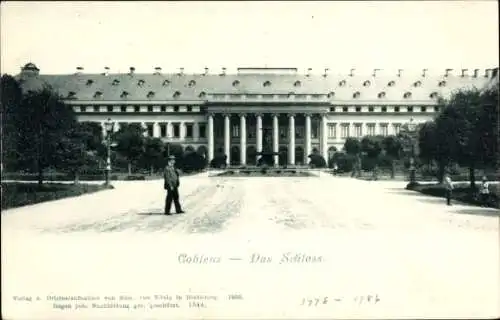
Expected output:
(391, 83)
(331, 94)
(442, 83)
(407, 95)
(236, 83)
(192, 83)
(140, 83)
(124, 94)
(291, 95)
(151, 94)
(166, 83)
(342, 83)
(381, 94)
(417, 84)
(433, 95)
(176, 94)
(202, 94)
(98, 94)
(356, 94)
(89, 82)
(116, 82)
(366, 83)
(297, 83)
(267, 84)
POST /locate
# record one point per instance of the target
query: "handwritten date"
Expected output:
(323, 300)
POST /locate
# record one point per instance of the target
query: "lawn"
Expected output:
(17, 194)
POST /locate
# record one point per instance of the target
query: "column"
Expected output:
(324, 141)
(210, 137)
(182, 131)
(258, 132)
(103, 128)
(116, 127)
(144, 127)
(275, 138)
(169, 130)
(227, 132)
(291, 139)
(243, 139)
(196, 131)
(156, 129)
(307, 150)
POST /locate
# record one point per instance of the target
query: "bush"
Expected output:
(345, 162)
(218, 161)
(317, 161)
(368, 164)
(193, 161)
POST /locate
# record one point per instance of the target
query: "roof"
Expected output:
(193, 87)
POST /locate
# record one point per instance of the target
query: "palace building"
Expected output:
(257, 109)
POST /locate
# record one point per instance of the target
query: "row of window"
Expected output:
(267, 83)
(293, 95)
(97, 108)
(383, 109)
(189, 132)
(345, 130)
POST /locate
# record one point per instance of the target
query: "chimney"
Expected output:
(326, 72)
(158, 70)
(464, 72)
(476, 73)
(223, 71)
(79, 70)
(352, 72)
(487, 73)
(424, 71)
(375, 72)
(400, 72)
(132, 70)
(181, 71)
(309, 71)
(106, 71)
(206, 71)
(447, 72)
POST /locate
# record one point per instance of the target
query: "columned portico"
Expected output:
(291, 139)
(243, 139)
(275, 139)
(227, 134)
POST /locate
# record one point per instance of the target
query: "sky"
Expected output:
(60, 36)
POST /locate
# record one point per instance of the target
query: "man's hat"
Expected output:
(171, 157)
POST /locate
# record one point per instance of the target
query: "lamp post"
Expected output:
(411, 130)
(109, 129)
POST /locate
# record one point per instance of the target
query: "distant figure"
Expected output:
(449, 188)
(171, 184)
(335, 169)
(484, 192)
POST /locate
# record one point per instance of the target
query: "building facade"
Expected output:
(257, 109)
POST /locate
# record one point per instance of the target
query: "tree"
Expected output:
(372, 146)
(392, 147)
(42, 120)
(153, 156)
(352, 147)
(71, 153)
(11, 97)
(130, 143)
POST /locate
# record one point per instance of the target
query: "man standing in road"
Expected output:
(171, 184)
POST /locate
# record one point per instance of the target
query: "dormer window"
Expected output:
(140, 83)
(116, 82)
(433, 95)
(381, 95)
(176, 94)
(89, 82)
(166, 83)
(192, 83)
(356, 94)
(236, 83)
(407, 95)
(391, 83)
(297, 84)
(331, 94)
(124, 94)
(291, 95)
(151, 94)
(202, 95)
(71, 95)
(342, 83)
(366, 83)
(267, 84)
(98, 94)
(417, 84)
(442, 83)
